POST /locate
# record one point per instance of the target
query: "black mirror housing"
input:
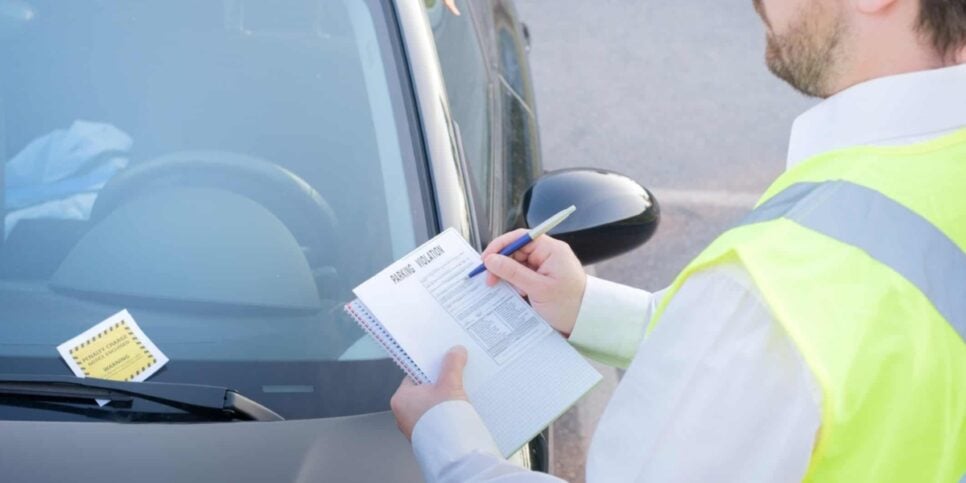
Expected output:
(614, 213)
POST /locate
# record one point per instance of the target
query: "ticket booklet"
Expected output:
(521, 374)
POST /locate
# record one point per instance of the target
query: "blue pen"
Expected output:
(530, 236)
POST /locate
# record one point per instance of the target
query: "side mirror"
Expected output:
(614, 213)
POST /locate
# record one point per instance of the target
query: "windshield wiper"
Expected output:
(190, 398)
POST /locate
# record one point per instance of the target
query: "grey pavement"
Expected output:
(674, 94)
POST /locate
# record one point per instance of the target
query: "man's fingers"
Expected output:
(406, 382)
(503, 240)
(492, 280)
(512, 271)
(542, 251)
(451, 375)
(519, 256)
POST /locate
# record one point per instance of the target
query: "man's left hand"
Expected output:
(411, 401)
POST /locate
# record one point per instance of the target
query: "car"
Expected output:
(226, 172)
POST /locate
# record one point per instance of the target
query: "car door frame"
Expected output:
(448, 173)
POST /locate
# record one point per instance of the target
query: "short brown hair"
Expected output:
(944, 21)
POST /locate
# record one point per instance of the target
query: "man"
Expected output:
(820, 339)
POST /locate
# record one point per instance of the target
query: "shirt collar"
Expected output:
(898, 109)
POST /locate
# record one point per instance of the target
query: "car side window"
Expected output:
(520, 139)
(468, 82)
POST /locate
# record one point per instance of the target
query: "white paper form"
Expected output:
(431, 283)
(520, 374)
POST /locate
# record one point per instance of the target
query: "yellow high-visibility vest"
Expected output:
(860, 254)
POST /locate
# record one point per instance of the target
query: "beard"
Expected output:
(808, 55)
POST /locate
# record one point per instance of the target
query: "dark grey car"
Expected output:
(227, 171)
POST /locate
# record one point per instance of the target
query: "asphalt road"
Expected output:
(674, 94)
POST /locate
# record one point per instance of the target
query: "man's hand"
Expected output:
(546, 271)
(411, 401)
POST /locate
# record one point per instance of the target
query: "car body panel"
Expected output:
(310, 450)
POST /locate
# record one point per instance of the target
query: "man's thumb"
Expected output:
(454, 361)
(514, 272)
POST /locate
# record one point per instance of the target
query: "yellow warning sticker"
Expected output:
(114, 349)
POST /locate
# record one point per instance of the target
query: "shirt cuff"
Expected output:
(611, 321)
(448, 432)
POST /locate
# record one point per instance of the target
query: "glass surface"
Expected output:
(225, 170)
(521, 153)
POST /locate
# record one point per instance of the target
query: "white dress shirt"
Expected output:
(718, 391)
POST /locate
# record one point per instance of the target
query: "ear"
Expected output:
(873, 7)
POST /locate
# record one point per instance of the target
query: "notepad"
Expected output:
(520, 375)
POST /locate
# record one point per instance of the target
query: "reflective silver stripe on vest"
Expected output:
(889, 232)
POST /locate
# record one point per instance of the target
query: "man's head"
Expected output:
(821, 47)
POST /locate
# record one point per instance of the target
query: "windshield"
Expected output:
(224, 170)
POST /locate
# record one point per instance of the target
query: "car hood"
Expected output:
(364, 448)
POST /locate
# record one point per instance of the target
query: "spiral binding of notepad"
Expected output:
(358, 311)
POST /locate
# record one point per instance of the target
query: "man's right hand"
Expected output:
(546, 271)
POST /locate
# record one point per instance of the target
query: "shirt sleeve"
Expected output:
(717, 392)
(451, 444)
(611, 321)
